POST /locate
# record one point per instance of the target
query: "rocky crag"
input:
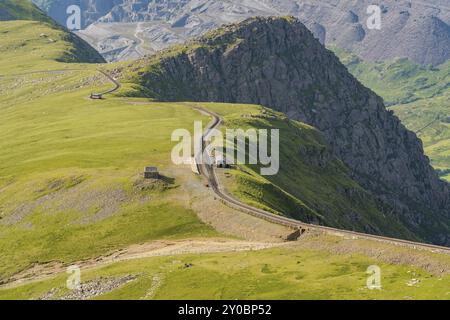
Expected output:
(277, 62)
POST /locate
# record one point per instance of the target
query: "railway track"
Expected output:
(116, 87)
(206, 169)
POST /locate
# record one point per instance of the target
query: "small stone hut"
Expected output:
(151, 173)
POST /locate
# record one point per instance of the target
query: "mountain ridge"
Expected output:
(24, 10)
(276, 62)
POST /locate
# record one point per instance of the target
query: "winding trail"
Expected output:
(421, 130)
(116, 83)
(138, 46)
(154, 249)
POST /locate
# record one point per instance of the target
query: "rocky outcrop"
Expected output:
(276, 62)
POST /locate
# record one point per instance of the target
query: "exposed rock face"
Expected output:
(144, 10)
(114, 10)
(276, 62)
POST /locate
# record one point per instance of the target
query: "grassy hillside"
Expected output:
(316, 268)
(420, 96)
(400, 81)
(70, 179)
(28, 31)
(70, 168)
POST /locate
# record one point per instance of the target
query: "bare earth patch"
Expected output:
(224, 219)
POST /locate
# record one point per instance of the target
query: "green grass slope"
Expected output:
(27, 29)
(70, 167)
(70, 179)
(419, 95)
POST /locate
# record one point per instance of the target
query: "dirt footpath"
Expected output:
(152, 249)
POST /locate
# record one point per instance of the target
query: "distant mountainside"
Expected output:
(276, 62)
(419, 95)
(77, 50)
(418, 30)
